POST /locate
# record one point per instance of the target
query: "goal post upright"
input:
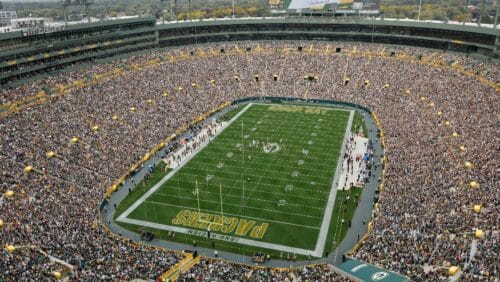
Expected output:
(197, 195)
(210, 223)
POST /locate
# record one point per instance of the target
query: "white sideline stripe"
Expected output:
(237, 215)
(325, 225)
(242, 241)
(171, 173)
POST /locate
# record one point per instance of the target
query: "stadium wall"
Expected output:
(445, 37)
(26, 57)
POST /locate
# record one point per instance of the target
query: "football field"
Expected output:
(267, 180)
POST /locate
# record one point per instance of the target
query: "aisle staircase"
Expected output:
(181, 267)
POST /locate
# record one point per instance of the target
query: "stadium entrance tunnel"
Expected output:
(272, 199)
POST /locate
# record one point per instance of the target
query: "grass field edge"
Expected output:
(130, 209)
(327, 218)
(334, 190)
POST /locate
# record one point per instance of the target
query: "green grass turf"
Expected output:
(269, 173)
(231, 113)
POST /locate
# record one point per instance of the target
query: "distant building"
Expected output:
(27, 23)
(6, 17)
(276, 4)
(77, 17)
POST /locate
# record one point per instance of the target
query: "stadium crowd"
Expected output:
(219, 270)
(59, 157)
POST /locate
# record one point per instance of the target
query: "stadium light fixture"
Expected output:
(453, 270)
(496, 16)
(67, 3)
(479, 234)
(477, 208)
(481, 13)
(56, 274)
(419, 9)
(233, 9)
(162, 8)
(10, 248)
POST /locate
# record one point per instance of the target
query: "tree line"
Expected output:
(454, 10)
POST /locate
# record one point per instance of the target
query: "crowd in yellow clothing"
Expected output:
(439, 115)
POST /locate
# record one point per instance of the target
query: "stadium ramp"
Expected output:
(181, 267)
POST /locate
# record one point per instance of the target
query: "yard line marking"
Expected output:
(236, 215)
(230, 146)
(185, 161)
(317, 185)
(249, 207)
(320, 243)
(281, 166)
(260, 191)
(268, 132)
(277, 178)
(234, 196)
(255, 170)
(261, 177)
(297, 136)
